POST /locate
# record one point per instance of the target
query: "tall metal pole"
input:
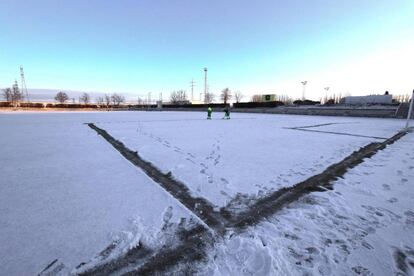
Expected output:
(205, 84)
(303, 89)
(410, 110)
(326, 94)
(24, 88)
(192, 90)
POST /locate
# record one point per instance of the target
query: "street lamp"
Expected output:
(326, 94)
(303, 89)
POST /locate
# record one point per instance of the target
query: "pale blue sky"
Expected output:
(354, 46)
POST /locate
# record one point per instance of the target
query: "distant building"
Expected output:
(197, 102)
(268, 97)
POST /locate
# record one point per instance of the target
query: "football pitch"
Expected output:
(171, 192)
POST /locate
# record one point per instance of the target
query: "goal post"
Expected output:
(410, 111)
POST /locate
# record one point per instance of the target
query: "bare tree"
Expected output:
(117, 99)
(7, 94)
(209, 97)
(61, 97)
(256, 98)
(238, 96)
(285, 99)
(179, 96)
(85, 98)
(225, 95)
(17, 96)
(100, 101)
(108, 100)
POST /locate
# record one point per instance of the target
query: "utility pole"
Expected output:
(24, 88)
(205, 84)
(410, 110)
(326, 94)
(303, 89)
(192, 89)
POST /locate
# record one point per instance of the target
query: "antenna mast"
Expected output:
(192, 84)
(205, 85)
(24, 87)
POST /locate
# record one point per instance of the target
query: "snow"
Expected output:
(357, 228)
(66, 194)
(250, 154)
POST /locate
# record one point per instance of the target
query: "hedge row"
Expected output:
(5, 104)
(306, 102)
(51, 105)
(142, 106)
(33, 105)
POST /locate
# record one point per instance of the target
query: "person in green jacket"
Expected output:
(226, 112)
(209, 112)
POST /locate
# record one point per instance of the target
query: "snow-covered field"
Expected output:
(250, 154)
(365, 226)
(66, 194)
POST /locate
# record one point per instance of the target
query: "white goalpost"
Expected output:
(410, 110)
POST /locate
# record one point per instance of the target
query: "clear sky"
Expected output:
(260, 46)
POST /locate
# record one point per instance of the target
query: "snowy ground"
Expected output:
(66, 194)
(365, 226)
(251, 154)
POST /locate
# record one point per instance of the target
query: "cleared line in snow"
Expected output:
(319, 125)
(200, 207)
(193, 249)
(191, 246)
(306, 128)
(339, 133)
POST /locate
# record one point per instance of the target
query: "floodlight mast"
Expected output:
(326, 93)
(410, 110)
(303, 89)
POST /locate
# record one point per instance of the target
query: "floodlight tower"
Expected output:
(24, 88)
(326, 93)
(205, 84)
(303, 89)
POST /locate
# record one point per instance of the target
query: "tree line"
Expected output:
(180, 96)
(13, 95)
(106, 100)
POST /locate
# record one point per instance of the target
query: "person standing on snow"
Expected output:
(226, 112)
(209, 112)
